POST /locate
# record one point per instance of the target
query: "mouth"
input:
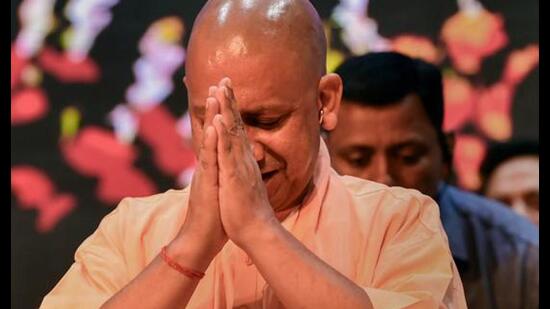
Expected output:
(268, 175)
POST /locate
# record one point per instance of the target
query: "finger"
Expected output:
(231, 156)
(232, 103)
(212, 91)
(226, 109)
(212, 108)
(209, 157)
(226, 82)
(227, 152)
(224, 140)
(239, 131)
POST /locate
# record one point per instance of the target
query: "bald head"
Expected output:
(230, 31)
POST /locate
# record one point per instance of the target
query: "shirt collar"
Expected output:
(454, 223)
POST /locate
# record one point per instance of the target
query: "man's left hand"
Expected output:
(244, 204)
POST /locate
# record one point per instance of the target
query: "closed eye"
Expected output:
(358, 159)
(265, 123)
(410, 159)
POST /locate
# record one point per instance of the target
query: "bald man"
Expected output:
(266, 223)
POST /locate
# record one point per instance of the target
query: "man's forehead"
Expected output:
(217, 60)
(258, 86)
(372, 142)
(396, 118)
(513, 181)
(251, 108)
(215, 63)
(522, 166)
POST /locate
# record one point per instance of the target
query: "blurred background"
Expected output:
(99, 112)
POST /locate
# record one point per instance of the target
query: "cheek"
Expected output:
(295, 142)
(414, 177)
(297, 151)
(284, 150)
(423, 177)
(344, 168)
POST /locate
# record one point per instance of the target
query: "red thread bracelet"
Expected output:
(193, 274)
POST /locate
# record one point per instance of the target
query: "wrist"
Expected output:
(193, 251)
(260, 233)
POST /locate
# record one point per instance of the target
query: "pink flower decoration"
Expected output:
(158, 128)
(28, 105)
(96, 152)
(417, 47)
(31, 186)
(520, 63)
(18, 63)
(53, 211)
(35, 190)
(469, 152)
(470, 37)
(493, 111)
(459, 97)
(67, 70)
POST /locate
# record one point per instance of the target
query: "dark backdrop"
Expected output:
(39, 259)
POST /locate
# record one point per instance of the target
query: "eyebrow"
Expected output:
(360, 148)
(256, 111)
(396, 147)
(409, 143)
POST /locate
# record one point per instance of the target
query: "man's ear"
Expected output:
(185, 81)
(330, 94)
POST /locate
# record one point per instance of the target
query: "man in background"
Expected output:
(390, 131)
(510, 174)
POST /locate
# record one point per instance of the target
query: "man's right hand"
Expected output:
(202, 236)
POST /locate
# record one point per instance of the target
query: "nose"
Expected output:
(381, 171)
(258, 150)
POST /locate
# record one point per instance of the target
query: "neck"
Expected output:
(283, 213)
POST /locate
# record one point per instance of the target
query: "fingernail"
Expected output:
(212, 91)
(218, 118)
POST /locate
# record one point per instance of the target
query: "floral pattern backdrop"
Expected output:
(98, 109)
